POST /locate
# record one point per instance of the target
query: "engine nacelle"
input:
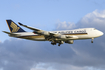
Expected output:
(62, 36)
(69, 41)
(45, 33)
(61, 42)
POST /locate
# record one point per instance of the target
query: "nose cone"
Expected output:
(98, 33)
(101, 33)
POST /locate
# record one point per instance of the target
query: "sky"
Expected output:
(49, 15)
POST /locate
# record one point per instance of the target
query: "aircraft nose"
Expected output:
(101, 33)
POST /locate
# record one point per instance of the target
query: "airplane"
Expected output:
(60, 37)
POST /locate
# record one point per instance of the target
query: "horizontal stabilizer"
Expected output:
(6, 32)
(11, 34)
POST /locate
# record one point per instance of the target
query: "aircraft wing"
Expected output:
(28, 27)
(46, 33)
(39, 31)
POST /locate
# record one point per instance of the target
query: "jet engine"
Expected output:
(69, 41)
(61, 42)
(62, 36)
(45, 33)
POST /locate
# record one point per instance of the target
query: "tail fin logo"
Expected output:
(14, 27)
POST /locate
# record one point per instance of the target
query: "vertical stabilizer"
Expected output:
(14, 27)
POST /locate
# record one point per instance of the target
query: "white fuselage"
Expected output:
(84, 33)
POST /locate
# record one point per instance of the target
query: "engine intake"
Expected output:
(62, 37)
(69, 41)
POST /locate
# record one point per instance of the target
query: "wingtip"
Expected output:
(20, 23)
(3, 31)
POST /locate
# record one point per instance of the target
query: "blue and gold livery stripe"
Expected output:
(77, 34)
